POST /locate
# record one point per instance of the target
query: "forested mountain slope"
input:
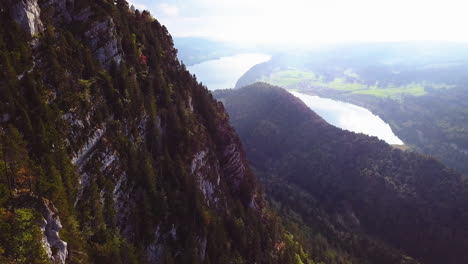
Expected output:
(354, 198)
(111, 152)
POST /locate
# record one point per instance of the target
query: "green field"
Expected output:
(342, 85)
(395, 92)
(289, 78)
(292, 78)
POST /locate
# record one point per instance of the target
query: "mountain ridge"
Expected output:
(374, 203)
(409, 85)
(134, 159)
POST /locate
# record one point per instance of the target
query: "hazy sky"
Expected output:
(313, 21)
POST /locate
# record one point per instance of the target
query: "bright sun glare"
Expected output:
(312, 21)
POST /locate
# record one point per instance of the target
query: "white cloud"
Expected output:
(168, 10)
(314, 21)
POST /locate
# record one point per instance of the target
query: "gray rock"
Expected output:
(27, 14)
(5, 117)
(58, 10)
(56, 248)
(83, 15)
(104, 41)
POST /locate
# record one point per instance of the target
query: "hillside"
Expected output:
(380, 69)
(418, 88)
(111, 151)
(354, 198)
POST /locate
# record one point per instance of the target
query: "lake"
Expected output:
(350, 117)
(224, 72)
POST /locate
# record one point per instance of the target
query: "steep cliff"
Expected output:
(27, 14)
(114, 152)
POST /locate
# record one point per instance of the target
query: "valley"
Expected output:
(350, 195)
(230, 132)
(419, 92)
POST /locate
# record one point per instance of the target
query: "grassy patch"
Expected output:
(290, 78)
(395, 92)
(341, 84)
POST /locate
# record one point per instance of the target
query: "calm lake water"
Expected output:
(350, 117)
(224, 72)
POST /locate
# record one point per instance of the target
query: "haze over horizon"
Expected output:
(311, 131)
(311, 21)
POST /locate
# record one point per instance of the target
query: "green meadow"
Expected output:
(349, 82)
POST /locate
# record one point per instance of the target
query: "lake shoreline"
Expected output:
(224, 72)
(349, 116)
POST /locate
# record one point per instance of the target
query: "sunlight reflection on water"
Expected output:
(350, 117)
(224, 72)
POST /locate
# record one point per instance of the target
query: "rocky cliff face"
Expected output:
(104, 41)
(27, 14)
(50, 225)
(101, 35)
(59, 11)
(136, 155)
(55, 247)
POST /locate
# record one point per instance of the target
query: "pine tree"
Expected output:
(15, 157)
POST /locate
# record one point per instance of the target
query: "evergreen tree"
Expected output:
(16, 160)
